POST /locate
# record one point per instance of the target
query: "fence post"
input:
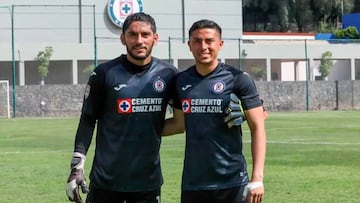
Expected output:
(169, 49)
(240, 53)
(95, 39)
(13, 61)
(307, 76)
(337, 94)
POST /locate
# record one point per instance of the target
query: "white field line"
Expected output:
(35, 152)
(307, 127)
(308, 143)
(244, 141)
(173, 146)
(282, 142)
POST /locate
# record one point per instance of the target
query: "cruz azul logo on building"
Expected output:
(118, 10)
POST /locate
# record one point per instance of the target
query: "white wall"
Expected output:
(61, 23)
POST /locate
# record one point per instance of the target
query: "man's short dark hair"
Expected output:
(204, 24)
(143, 17)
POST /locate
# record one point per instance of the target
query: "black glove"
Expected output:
(76, 178)
(234, 113)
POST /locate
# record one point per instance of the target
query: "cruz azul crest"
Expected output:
(118, 10)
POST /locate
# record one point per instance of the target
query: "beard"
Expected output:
(140, 56)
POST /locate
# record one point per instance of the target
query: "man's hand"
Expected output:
(253, 192)
(234, 113)
(76, 178)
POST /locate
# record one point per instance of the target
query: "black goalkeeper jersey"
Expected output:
(129, 104)
(213, 155)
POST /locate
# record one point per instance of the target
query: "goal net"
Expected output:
(4, 99)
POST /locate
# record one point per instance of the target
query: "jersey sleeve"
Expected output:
(245, 89)
(91, 109)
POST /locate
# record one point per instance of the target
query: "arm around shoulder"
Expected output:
(174, 125)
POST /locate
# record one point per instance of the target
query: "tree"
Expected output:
(43, 57)
(302, 14)
(89, 69)
(326, 64)
(255, 15)
(258, 72)
(295, 15)
(283, 15)
(356, 8)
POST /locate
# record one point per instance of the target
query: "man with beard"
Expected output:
(126, 98)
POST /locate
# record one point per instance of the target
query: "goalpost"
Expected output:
(4, 99)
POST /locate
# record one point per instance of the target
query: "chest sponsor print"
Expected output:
(202, 105)
(139, 105)
(124, 106)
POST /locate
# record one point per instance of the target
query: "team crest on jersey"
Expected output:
(124, 106)
(218, 87)
(186, 105)
(118, 10)
(159, 85)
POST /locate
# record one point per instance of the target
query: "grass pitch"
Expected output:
(311, 157)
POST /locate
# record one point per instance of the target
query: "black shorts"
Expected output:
(97, 195)
(228, 195)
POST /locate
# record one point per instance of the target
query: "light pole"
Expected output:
(11, 10)
(13, 61)
(241, 35)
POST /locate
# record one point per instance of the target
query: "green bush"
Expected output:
(350, 32)
(339, 33)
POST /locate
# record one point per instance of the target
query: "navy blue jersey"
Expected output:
(128, 103)
(213, 155)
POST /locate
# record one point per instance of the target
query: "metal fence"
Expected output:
(85, 40)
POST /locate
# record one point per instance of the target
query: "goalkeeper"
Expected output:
(126, 165)
(214, 168)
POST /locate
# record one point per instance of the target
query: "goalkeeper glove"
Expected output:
(234, 113)
(76, 178)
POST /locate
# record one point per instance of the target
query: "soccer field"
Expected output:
(311, 157)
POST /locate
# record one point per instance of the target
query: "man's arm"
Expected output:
(174, 125)
(92, 104)
(255, 120)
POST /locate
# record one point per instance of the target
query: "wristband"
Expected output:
(251, 186)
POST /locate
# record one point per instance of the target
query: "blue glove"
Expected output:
(234, 113)
(76, 178)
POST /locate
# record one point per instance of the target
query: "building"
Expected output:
(82, 33)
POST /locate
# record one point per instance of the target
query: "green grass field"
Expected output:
(311, 157)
